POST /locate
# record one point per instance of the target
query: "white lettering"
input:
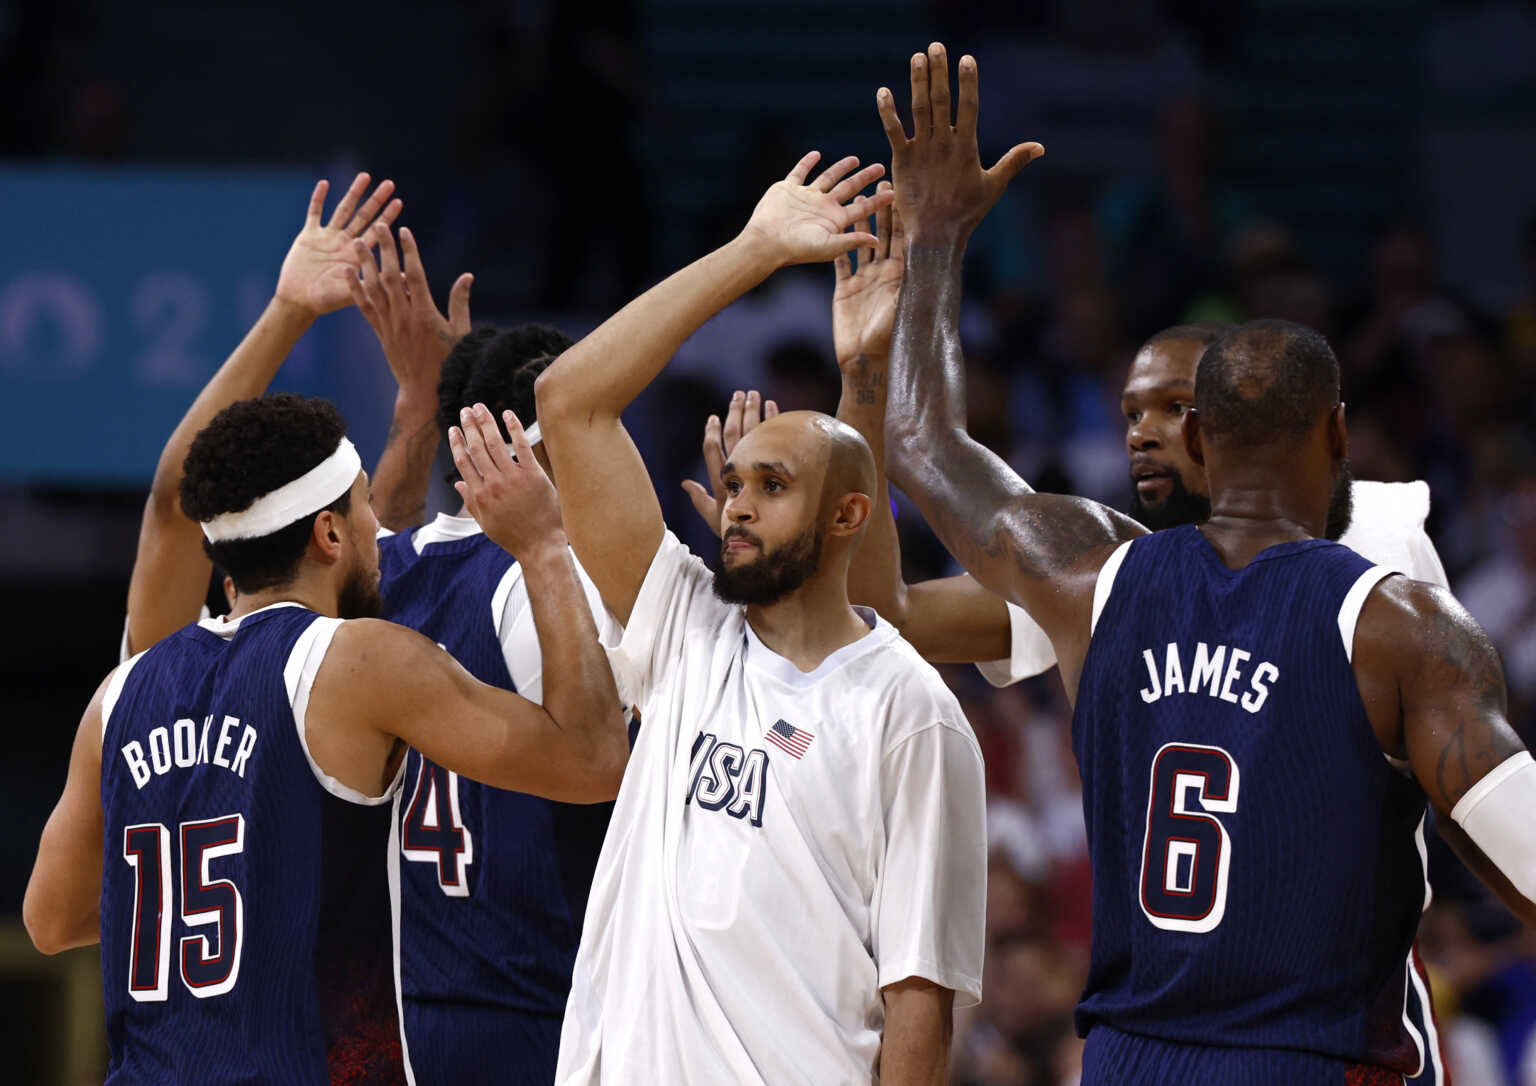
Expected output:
(1254, 701)
(224, 740)
(160, 749)
(184, 742)
(751, 788)
(202, 745)
(1149, 696)
(133, 753)
(243, 751)
(1234, 668)
(1173, 673)
(1207, 670)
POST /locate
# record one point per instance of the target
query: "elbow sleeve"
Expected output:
(1498, 814)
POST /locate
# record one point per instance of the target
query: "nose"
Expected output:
(1140, 436)
(738, 510)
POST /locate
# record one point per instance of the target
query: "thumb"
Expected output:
(703, 504)
(1016, 159)
(458, 303)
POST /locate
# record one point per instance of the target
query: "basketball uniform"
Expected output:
(244, 919)
(1258, 863)
(785, 844)
(489, 887)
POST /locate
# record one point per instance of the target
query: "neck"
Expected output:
(312, 591)
(1252, 513)
(812, 622)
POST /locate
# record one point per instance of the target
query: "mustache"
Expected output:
(736, 531)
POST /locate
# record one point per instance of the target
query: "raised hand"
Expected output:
(741, 418)
(864, 301)
(398, 306)
(322, 259)
(803, 222)
(512, 500)
(942, 191)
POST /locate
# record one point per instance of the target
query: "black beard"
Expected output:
(1341, 506)
(773, 574)
(1181, 506)
(360, 597)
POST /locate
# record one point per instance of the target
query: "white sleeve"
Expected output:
(930, 898)
(513, 616)
(1032, 652)
(1498, 812)
(675, 597)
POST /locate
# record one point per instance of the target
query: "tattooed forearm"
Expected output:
(1462, 671)
(399, 496)
(867, 381)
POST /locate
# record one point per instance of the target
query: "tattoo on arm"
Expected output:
(1463, 675)
(867, 381)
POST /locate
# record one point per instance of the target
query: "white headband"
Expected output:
(309, 493)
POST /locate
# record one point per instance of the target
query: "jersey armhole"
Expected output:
(1354, 602)
(1106, 583)
(299, 678)
(114, 688)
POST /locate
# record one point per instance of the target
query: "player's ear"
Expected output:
(325, 535)
(1193, 444)
(1338, 434)
(851, 514)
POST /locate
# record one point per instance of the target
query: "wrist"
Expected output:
(414, 402)
(552, 549)
(289, 314)
(757, 251)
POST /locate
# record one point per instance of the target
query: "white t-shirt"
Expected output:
(1387, 528)
(511, 611)
(784, 845)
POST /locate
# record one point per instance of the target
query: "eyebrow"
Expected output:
(764, 467)
(1161, 386)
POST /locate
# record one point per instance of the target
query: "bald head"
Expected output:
(1263, 382)
(816, 440)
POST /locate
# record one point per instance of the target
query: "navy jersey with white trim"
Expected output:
(1257, 863)
(244, 907)
(492, 885)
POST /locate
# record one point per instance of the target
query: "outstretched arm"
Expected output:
(170, 571)
(611, 511)
(1042, 551)
(1434, 690)
(61, 907)
(416, 338)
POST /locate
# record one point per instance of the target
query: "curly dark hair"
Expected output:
(497, 367)
(251, 448)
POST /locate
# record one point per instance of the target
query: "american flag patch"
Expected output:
(790, 739)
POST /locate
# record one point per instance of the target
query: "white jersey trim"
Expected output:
(764, 659)
(115, 688)
(1354, 602)
(392, 866)
(1106, 583)
(299, 677)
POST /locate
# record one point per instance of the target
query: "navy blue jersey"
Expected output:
(492, 884)
(1258, 871)
(244, 907)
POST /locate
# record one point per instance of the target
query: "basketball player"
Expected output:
(489, 887)
(793, 885)
(1248, 696)
(170, 571)
(239, 771)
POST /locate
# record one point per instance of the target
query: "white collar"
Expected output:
(227, 627)
(762, 658)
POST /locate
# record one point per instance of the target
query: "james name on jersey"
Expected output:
(183, 745)
(1217, 674)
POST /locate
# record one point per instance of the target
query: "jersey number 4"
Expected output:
(209, 961)
(1187, 850)
(433, 832)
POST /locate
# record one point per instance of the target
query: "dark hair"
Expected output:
(1265, 380)
(497, 367)
(1202, 332)
(251, 448)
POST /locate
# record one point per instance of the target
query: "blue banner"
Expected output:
(121, 291)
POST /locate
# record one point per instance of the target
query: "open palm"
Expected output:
(805, 222)
(317, 272)
(864, 300)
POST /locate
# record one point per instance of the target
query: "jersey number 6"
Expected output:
(1187, 851)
